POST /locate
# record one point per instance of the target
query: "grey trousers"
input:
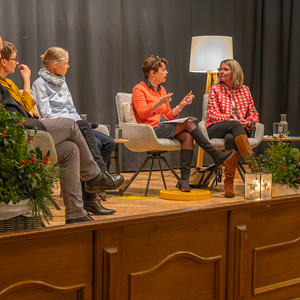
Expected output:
(75, 161)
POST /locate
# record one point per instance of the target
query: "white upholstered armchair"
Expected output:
(220, 143)
(142, 138)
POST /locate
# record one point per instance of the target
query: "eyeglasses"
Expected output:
(15, 59)
(225, 70)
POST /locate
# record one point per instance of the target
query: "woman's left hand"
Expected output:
(243, 122)
(188, 99)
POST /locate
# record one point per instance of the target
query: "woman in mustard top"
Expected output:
(150, 103)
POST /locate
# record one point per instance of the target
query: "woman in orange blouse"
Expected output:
(231, 115)
(150, 103)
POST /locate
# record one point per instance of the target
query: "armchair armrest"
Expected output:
(44, 141)
(103, 129)
(258, 135)
(202, 127)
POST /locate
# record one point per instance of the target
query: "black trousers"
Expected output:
(227, 130)
(106, 145)
(90, 139)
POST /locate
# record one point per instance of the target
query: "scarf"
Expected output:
(56, 80)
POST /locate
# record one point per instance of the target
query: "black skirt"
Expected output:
(166, 131)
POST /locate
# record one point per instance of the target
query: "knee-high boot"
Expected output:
(185, 170)
(243, 146)
(218, 157)
(230, 167)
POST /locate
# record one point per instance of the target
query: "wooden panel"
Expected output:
(179, 276)
(34, 290)
(148, 245)
(108, 264)
(276, 267)
(110, 273)
(240, 261)
(249, 250)
(56, 264)
(274, 251)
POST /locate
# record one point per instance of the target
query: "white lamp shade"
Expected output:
(208, 51)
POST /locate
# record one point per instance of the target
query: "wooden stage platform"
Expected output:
(154, 249)
(133, 201)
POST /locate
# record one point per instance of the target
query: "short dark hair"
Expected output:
(152, 63)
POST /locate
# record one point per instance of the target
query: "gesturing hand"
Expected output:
(188, 99)
(25, 71)
(166, 99)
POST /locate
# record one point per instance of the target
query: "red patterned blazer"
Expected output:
(219, 104)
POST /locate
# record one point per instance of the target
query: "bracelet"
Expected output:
(181, 105)
(178, 108)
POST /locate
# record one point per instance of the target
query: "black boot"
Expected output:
(83, 219)
(96, 208)
(103, 181)
(218, 157)
(118, 179)
(91, 204)
(185, 169)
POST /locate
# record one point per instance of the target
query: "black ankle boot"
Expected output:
(185, 169)
(118, 178)
(103, 181)
(96, 208)
(218, 157)
(91, 204)
(83, 219)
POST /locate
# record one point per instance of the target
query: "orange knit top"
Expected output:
(143, 98)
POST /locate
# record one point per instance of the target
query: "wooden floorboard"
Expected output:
(128, 205)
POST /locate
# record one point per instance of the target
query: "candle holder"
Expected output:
(258, 185)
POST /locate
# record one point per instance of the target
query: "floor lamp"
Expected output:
(207, 52)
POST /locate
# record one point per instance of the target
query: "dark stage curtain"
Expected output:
(109, 39)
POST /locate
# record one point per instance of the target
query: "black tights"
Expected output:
(227, 130)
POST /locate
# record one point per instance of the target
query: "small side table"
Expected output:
(286, 139)
(117, 154)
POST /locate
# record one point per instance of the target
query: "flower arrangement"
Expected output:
(280, 160)
(25, 173)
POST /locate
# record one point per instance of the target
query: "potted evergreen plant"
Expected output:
(27, 178)
(283, 162)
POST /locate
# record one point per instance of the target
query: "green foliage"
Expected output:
(280, 160)
(25, 173)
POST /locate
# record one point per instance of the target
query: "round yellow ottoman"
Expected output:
(176, 194)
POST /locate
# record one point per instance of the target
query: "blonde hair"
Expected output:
(237, 73)
(54, 54)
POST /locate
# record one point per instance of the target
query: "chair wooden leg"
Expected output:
(200, 157)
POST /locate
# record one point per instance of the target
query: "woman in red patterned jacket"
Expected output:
(231, 115)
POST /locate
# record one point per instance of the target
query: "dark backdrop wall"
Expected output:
(109, 39)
